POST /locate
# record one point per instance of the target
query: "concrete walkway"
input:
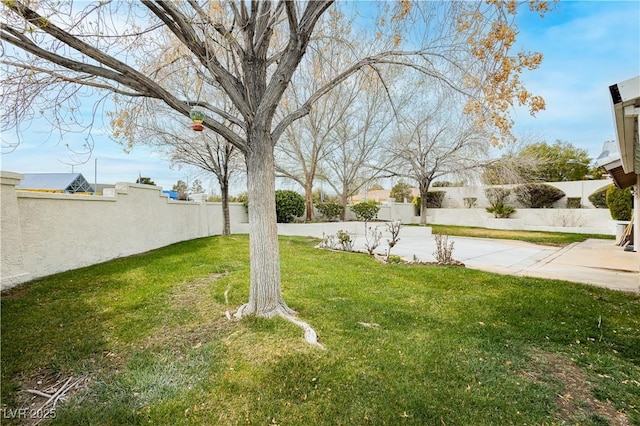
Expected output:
(597, 262)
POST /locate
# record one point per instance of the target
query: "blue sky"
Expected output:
(587, 46)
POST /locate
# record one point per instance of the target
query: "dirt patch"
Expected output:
(41, 394)
(206, 316)
(575, 402)
(15, 293)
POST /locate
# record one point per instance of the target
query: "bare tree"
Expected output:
(58, 48)
(159, 127)
(306, 142)
(359, 144)
(434, 140)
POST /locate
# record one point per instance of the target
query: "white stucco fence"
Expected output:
(43, 233)
(46, 233)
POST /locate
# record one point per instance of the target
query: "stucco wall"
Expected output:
(45, 233)
(586, 220)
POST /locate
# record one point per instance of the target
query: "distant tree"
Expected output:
(196, 187)
(181, 188)
(401, 191)
(304, 144)
(435, 140)
(542, 162)
(360, 136)
(145, 181)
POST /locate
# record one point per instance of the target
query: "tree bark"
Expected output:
(344, 200)
(308, 195)
(265, 295)
(226, 218)
(424, 190)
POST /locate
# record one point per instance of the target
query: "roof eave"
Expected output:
(625, 97)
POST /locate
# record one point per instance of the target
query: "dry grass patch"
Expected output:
(194, 316)
(576, 402)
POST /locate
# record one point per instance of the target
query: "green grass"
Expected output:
(539, 237)
(450, 346)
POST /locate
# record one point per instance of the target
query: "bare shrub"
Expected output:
(345, 239)
(372, 237)
(444, 250)
(394, 230)
(328, 241)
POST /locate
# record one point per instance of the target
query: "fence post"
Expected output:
(12, 270)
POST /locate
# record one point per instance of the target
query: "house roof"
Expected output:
(620, 178)
(625, 99)
(66, 182)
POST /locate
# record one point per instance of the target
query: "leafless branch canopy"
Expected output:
(248, 52)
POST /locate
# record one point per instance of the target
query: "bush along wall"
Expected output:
(538, 195)
(620, 202)
(365, 210)
(330, 209)
(574, 202)
(498, 199)
(289, 205)
(599, 198)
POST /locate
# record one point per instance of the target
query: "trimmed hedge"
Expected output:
(365, 210)
(574, 202)
(537, 195)
(330, 210)
(289, 205)
(620, 202)
(599, 198)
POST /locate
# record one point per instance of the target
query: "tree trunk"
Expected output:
(265, 296)
(226, 219)
(424, 189)
(344, 199)
(308, 195)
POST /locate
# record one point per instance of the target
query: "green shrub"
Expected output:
(538, 195)
(470, 202)
(330, 209)
(497, 195)
(365, 210)
(345, 240)
(501, 211)
(599, 198)
(289, 205)
(574, 202)
(619, 202)
(498, 200)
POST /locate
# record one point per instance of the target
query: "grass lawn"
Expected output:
(405, 344)
(540, 237)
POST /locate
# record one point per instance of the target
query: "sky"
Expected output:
(587, 46)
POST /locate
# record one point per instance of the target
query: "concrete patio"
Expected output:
(594, 261)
